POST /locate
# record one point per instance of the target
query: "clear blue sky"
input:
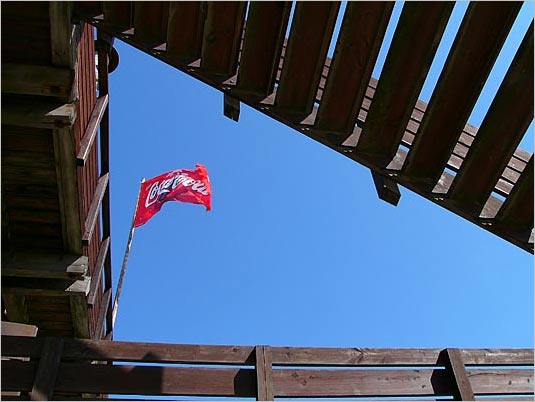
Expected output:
(298, 249)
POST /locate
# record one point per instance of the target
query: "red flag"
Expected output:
(177, 185)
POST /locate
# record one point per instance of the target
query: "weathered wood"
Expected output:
(221, 38)
(104, 306)
(79, 315)
(357, 47)
(184, 31)
(96, 278)
(231, 107)
(310, 35)
(16, 307)
(27, 79)
(453, 361)
(61, 33)
(510, 113)
(411, 53)
(92, 215)
(17, 329)
(36, 112)
(44, 286)
(264, 378)
(150, 22)
(64, 154)
(386, 188)
(118, 14)
(44, 265)
(90, 133)
(262, 46)
(45, 378)
(478, 42)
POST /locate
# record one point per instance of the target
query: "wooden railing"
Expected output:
(60, 365)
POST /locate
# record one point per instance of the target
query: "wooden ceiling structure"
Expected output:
(430, 148)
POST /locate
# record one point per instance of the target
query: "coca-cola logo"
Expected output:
(158, 191)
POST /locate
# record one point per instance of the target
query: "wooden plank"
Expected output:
(489, 382)
(506, 122)
(92, 215)
(221, 38)
(453, 362)
(62, 34)
(411, 53)
(96, 278)
(262, 47)
(79, 315)
(64, 154)
(43, 286)
(36, 112)
(104, 306)
(357, 47)
(150, 22)
(264, 377)
(41, 265)
(386, 188)
(231, 107)
(45, 378)
(16, 329)
(184, 31)
(16, 307)
(90, 133)
(516, 214)
(118, 14)
(27, 79)
(478, 42)
(310, 35)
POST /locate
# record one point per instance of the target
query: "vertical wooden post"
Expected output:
(264, 379)
(45, 378)
(453, 362)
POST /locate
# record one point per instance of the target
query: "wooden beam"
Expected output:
(91, 130)
(16, 329)
(16, 307)
(64, 154)
(96, 278)
(184, 31)
(150, 22)
(43, 287)
(36, 112)
(386, 188)
(62, 34)
(79, 314)
(478, 42)
(45, 378)
(27, 79)
(264, 376)
(40, 265)
(231, 107)
(92, 215)
(416, 39)
(455, 367)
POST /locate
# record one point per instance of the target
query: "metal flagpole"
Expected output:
(125, 261)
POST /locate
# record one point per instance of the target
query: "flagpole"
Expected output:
(125, 260)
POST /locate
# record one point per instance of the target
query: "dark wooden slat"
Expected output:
(62, 48)
(310, 35)
(231, 107)
(17, 308)
(97, 273)
(26, 79)
(118, 14)
(37, 112)
(262, 46)
(516, 214)
(91, 131)
(150, 22)
(92, 215)
(409, 58)
(386, 188)
(264, 375)
(45, 378)
(359, 41)
(221, 38)
(184, 31)
(507, 120)
(453, 362)
(480, 38)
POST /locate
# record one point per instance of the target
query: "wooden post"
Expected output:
(453, 362)
(264, 380)
(45, 378)
(231, 107)
(387, 189)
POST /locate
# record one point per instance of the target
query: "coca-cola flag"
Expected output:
(177, 185)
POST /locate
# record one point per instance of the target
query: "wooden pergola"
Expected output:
(56, 243)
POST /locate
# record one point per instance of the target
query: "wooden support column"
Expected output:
(45, 379)
(454, 365)
(231, 107)
(62, 33)
(17, 310)
(264, 379)
(387, 189)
